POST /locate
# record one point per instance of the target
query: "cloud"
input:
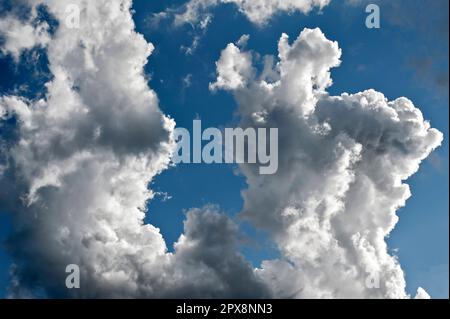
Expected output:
(343, 161)
(422, 294)
(18, 35)
(258, 12)
(198, 14)
(243, 40)
(207, 259)
(85, 155)
(233, 69)
(428, 22)
(76, 169)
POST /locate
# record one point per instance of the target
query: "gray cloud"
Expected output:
(208, 257)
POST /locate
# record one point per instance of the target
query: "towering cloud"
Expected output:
(85, 154)
(76, 169)
(343, 161)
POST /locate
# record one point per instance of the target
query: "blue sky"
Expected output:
(403, 58)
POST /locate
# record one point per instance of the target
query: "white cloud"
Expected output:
(207, 263)
(87, 152)
(198, 14)
(243, 40)
(257, 11)
(343, 161)
(187, 81)
(233, 69)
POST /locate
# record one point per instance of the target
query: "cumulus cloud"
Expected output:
(76, 169)
(343, 161)
(85, 154)
(233, 69)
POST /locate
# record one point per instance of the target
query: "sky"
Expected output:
(407, 56)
